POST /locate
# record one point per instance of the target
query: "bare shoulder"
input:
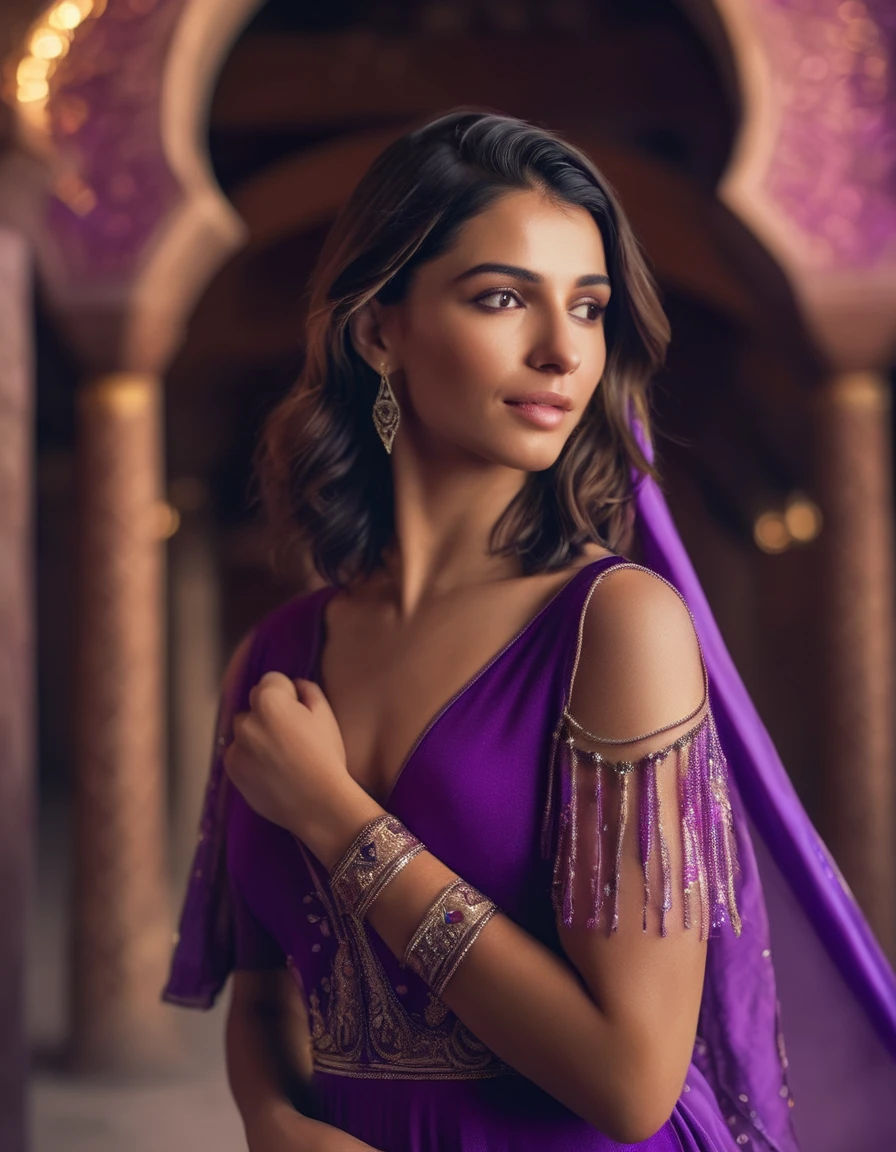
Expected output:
(639, 662)
(630, 602)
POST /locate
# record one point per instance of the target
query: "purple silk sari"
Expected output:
(397, 1069)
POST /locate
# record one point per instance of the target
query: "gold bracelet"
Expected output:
(376, 855)
(447, 931)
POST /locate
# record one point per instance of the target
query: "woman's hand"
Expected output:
(287, 756)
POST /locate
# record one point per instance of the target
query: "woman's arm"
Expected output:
(610, 1032)
(269, 1067)
(257, 1022)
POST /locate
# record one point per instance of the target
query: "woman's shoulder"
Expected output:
(627, 599)
(638, 654)
(624, 599)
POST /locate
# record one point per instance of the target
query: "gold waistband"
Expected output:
(379, 1071)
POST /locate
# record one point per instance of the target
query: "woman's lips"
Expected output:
(542, 415)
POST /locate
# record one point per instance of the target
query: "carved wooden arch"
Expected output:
(810, 173)
(137, 286)
(844, 283)
(134, 224)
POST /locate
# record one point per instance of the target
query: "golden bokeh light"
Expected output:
(799, 523)
(30, 91)
(803, 519)
(47, 44)
(66, 16)
(31, 69)
(771, 533)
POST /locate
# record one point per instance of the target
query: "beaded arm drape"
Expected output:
(598, 796)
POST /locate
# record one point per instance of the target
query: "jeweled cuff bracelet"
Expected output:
(449, 926)
(446, 933)
(375, 856)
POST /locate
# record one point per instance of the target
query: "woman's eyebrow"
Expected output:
(526, 274)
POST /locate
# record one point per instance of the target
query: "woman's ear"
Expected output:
(366, 333)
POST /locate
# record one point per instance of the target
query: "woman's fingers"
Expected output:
(278, 682)
(308, 691)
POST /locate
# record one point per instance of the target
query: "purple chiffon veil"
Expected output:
(806, 977)
(797, 1029)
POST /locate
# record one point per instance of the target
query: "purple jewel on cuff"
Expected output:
(454, 917)
(368, 851)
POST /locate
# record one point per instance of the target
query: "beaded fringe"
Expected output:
(706, 826)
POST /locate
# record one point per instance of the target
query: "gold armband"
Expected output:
(446, 933)
(375, 856)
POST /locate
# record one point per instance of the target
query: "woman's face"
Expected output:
(516, 306)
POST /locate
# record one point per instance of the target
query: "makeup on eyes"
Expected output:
(512, 292)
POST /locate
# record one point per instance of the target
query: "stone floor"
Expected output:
(73, 1114)
(67, 1116)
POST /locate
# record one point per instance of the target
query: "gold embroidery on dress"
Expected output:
(360, 1028)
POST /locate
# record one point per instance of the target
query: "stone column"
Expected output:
(17, 745)
(121, 923)
(126, 243)
(855, 469)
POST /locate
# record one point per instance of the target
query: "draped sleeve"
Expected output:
(217, 931)
(640, 823)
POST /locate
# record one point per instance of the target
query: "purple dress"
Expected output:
(395, 1067)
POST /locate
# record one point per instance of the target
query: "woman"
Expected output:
(471, 842)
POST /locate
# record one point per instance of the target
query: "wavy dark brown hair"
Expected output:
(324, 477)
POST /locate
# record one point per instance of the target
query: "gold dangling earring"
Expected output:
(386, 413)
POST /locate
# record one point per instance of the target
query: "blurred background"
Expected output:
(168, 170)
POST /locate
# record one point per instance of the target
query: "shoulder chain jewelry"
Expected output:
(447, 932)
(375, 856)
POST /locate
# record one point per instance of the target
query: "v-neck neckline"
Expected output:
(318, 647)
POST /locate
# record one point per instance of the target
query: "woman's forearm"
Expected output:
(524, 1002)
(268, 1070)
(255, 1070)
(518, 997)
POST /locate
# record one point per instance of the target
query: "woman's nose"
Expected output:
(555, 349)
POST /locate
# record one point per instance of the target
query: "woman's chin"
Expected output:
(533, 457)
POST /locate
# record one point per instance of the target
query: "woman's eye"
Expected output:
(505, 299)
(594, 311)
